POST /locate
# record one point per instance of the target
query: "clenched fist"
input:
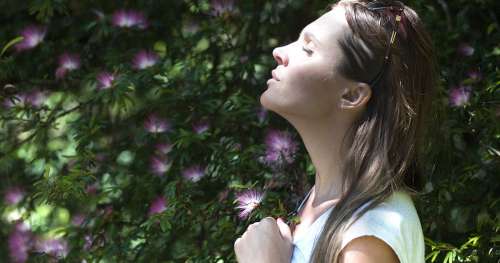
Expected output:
(267, 241)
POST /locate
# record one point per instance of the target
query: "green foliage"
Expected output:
(81, 149)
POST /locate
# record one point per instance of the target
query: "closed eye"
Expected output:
(307, 50)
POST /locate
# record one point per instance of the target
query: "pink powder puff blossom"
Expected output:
(32, 36)
(158, 205)
(201, 126)
(33, 98)
(159, 165)
(163, 148)
(475, 75)
(155, 124)
(261, 114)
(78, 219)
(144, 59)
(19, 243)
(248, 201)
(222, 7)
(13, 195)
(280, 148)
(129, 18)
(465, 49)
(459, 96)
(67, 62)
(194, 173)
(105, 80)
(55, 247)
(91, 189)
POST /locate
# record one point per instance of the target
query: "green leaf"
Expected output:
(11, 43)
(165, 225)
(433, 254)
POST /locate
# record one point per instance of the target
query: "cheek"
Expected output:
(310, 80)
(309, 74)
(311, 87)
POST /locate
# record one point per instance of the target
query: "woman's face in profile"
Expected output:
(305, 82)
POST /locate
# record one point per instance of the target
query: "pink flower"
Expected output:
(201, 126)
(465, 49)
(78, 219)
(105, 80)
(222, 7)
(32, 36)
(281, 148)
(89, 240)
(158, 205)
(163, 148)
(159, 165)
(56, 247)
(474, 75)
(91, 189)
(13, 195)
(194, 173)
(33, 98)
(459, 96)
(262, 114)
(248, 201)
(129, 18)
(67, 62)
(154, 124)
(36, 98)
(19, 242)
(144, 59)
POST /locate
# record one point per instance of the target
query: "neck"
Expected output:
(322, 139)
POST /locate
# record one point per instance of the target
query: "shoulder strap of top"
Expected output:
(303, 201)
(297, 209)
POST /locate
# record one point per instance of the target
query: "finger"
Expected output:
(251, 226)
(236, 243)
(268, 220)
(285, 231)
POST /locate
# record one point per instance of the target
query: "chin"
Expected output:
(264, 100)
(267, 102)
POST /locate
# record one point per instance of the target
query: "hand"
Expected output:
(267, 241)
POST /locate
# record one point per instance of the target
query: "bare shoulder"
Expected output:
(367, 249)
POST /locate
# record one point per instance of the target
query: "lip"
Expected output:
(273, 73)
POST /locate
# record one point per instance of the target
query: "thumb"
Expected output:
(284, 230)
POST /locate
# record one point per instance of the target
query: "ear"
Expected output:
(355, 95)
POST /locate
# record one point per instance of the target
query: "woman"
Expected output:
(357, 86)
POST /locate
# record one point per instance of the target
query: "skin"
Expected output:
(321, 104)
(268, 240)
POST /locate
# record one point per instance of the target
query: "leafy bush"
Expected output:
(133, 131)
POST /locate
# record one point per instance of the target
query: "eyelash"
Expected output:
(307, 50)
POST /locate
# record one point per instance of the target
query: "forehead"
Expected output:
(329, 27)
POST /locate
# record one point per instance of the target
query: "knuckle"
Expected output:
(270, 219)
(236, 243)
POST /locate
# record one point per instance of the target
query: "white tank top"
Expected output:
(395, 221)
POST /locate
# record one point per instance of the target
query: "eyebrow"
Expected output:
(309, 35)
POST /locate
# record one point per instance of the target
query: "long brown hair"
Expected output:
(384, 146)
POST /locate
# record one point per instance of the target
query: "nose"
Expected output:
(280, 56)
